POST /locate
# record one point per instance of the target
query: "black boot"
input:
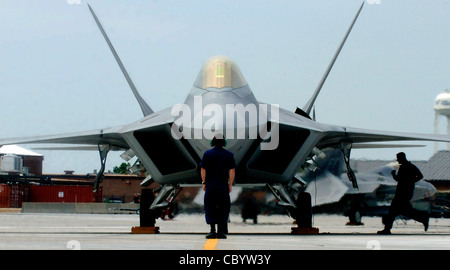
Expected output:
(221, 229)
(212, 234)
(385, 231)
(426, 221)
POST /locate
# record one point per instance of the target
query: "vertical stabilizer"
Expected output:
(307, 108)
(146, 110)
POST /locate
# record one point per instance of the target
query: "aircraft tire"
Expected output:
(147, 217)
(304, 210)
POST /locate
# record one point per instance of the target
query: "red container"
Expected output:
(62, 194)
(12, 196)
(19, 194)
(5, 196)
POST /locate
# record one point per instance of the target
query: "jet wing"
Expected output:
(333, 136)
(113, 136)
(362, 135)
(109, 136)
(356, 135)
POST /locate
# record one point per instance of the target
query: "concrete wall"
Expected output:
(80, 208)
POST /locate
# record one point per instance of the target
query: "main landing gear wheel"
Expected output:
(303, 215)
(147, 217)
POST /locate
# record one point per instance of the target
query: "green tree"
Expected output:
(122, 169)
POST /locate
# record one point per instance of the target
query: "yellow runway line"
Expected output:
(211, 244)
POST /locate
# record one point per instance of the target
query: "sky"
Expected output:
(57, 74)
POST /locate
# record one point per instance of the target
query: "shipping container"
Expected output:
(12, 196)
(63, 194)
(5, 196)
(19, 194)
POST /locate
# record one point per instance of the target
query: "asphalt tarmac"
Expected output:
(22, 231)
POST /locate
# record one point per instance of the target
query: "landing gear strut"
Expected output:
(103, 150)
(346, 149)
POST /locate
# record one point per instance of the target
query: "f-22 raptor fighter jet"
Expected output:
(270, 144)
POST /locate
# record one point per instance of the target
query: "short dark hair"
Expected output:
(401, 155)
(218, 140)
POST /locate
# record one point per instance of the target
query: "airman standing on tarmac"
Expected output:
(217, 172)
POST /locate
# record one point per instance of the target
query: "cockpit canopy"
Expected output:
(220, 72)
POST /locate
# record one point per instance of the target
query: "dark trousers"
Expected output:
(217, 206)
(403, 208)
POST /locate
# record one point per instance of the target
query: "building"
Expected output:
(115, 187)
(437, 171)
(31, 162)
(121, 187)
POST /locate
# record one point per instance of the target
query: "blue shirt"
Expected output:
(217, 162)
